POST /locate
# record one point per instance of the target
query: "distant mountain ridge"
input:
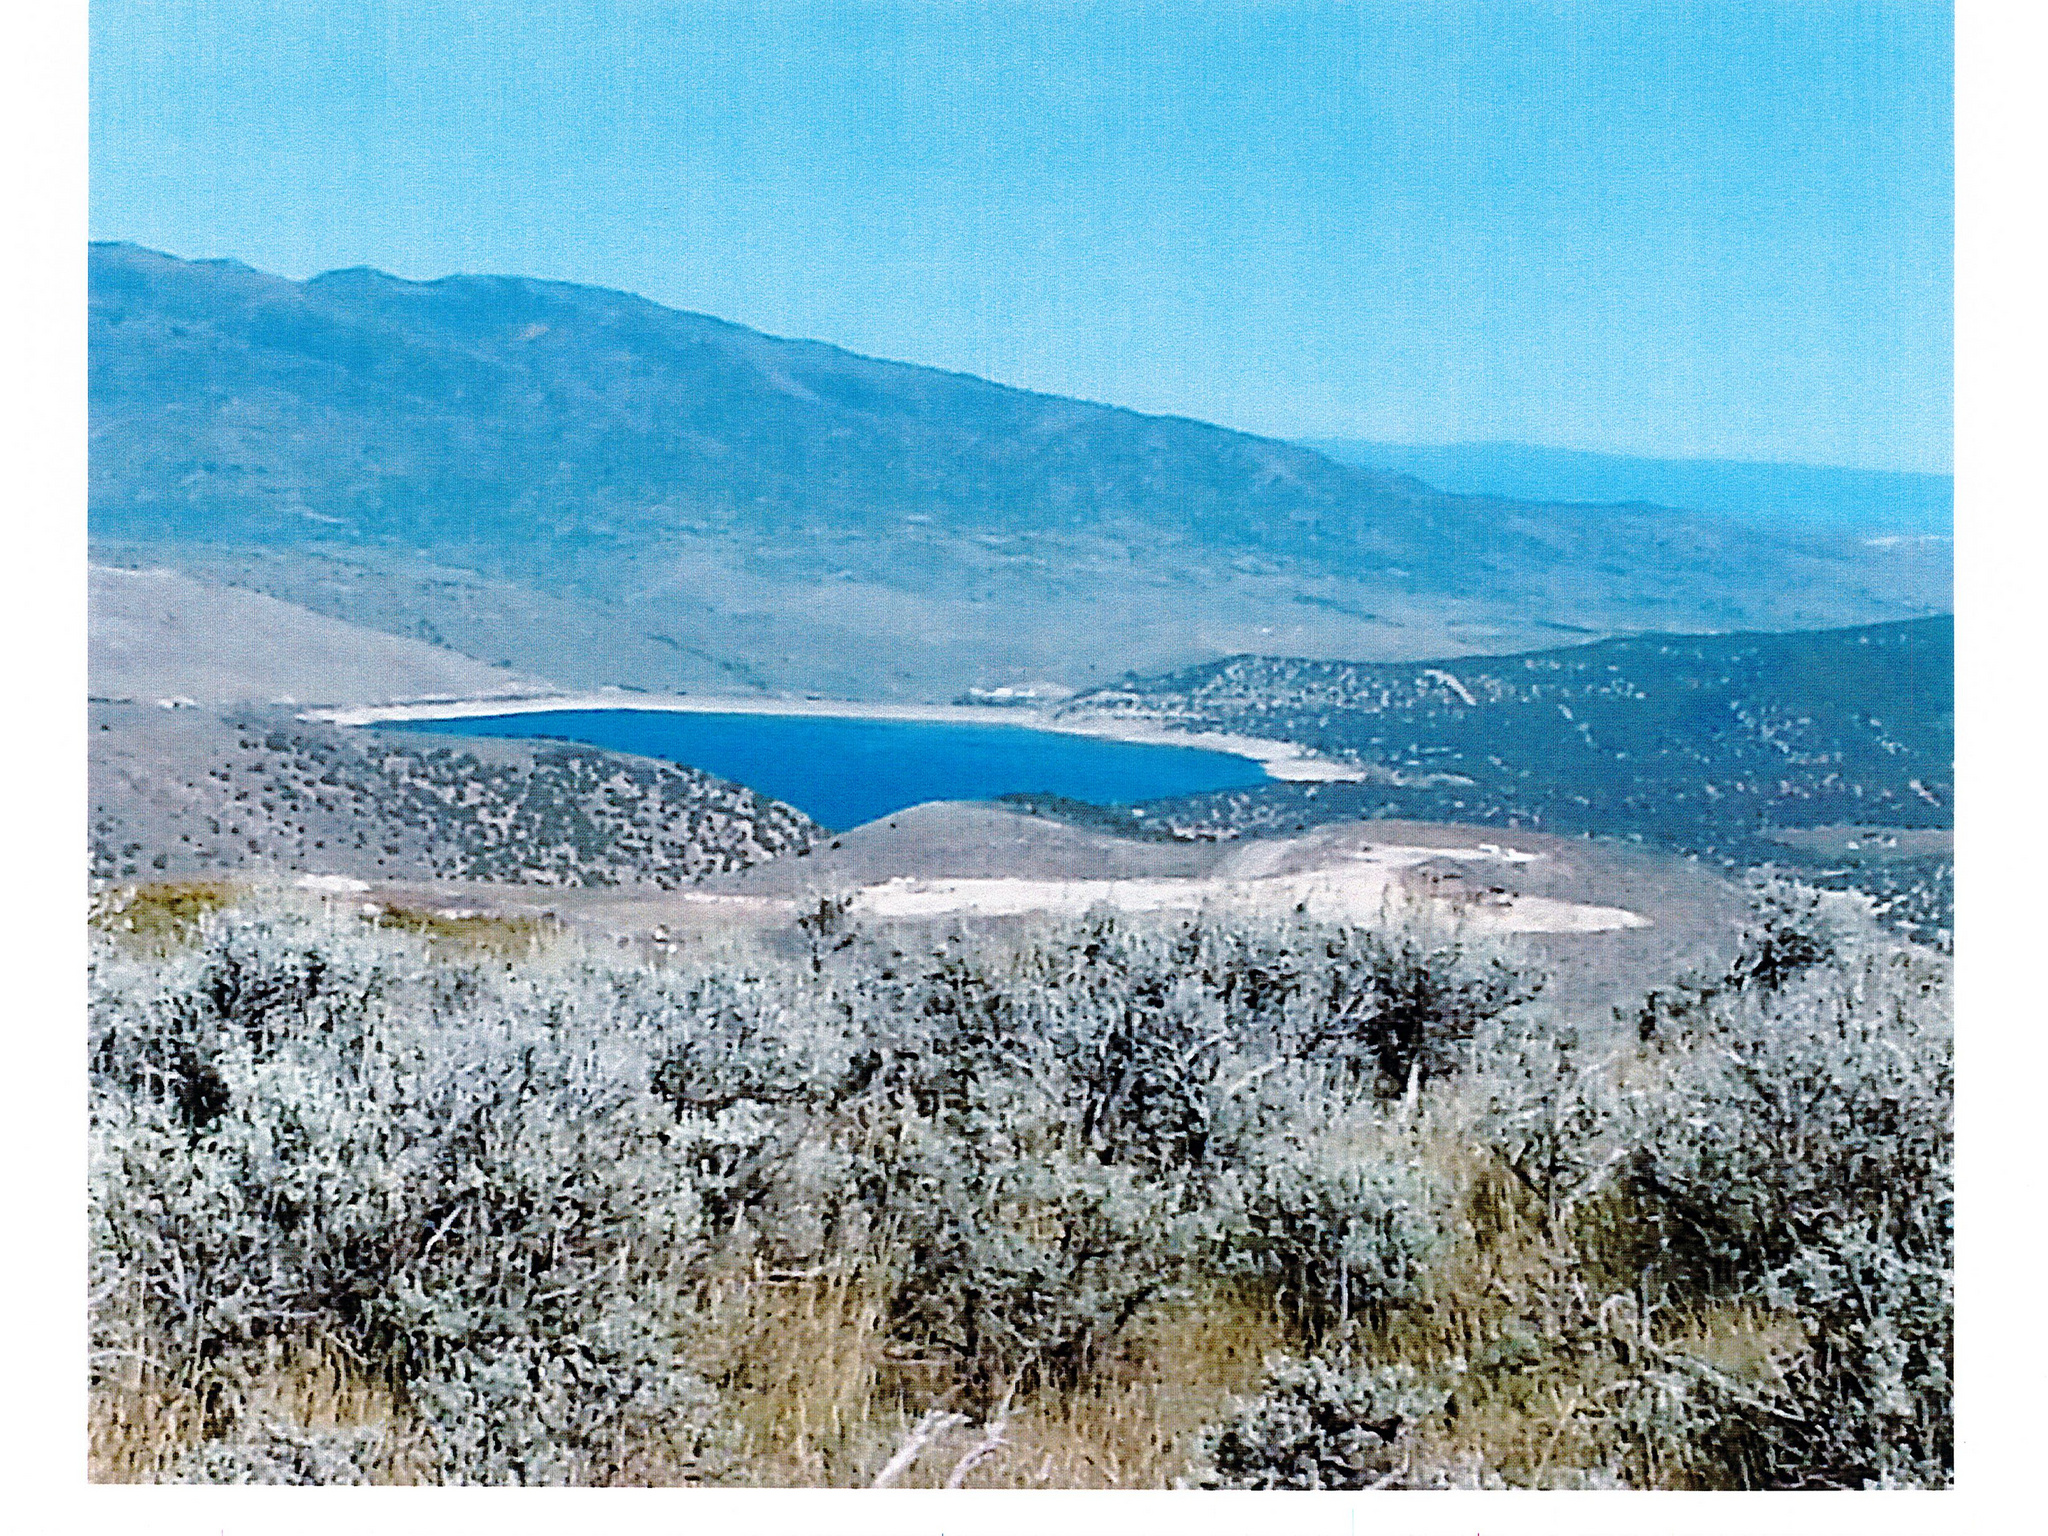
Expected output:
(586, 485)
(1871, 503)
(548, 401)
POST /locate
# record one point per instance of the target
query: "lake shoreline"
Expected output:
(1283, 760)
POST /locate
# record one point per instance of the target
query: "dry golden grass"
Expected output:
(1539, 1326)
(801, 1360)
(137, 1431)
(157, 917)
(478, 933)
(821, 1400)
(1137, 1424)
(816, 1395)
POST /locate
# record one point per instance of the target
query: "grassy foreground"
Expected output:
(1121, 1204)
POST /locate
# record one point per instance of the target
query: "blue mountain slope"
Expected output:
(596, 488)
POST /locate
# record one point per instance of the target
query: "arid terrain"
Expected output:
(157, 637)
(1014, 747)
(1411, 1116)
(641, 853)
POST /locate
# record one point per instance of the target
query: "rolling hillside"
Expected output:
(589, 486)
(156, 635)
(188, 792)
(1746, 748)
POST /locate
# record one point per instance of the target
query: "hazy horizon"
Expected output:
(1661, 231)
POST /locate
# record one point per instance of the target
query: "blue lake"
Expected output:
(842, 772)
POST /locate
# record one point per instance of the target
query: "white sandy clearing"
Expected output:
(1280, 759)
(730, 903)
(332, 885)
(1365, 888)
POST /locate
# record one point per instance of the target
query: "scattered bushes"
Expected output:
(1803, 1155)
(1783, 1144)
(490, 1217)
(1026, 1268)
(277, 1453)
(1791, 930)
(515, 1197)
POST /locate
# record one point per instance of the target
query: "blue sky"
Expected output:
(1717, 230)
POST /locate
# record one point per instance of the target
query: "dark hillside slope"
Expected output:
(714, 483)
(191, 792)
(1711, 744)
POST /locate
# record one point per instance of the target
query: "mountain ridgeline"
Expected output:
(591, 486)
(1874, 504)
(541, 415)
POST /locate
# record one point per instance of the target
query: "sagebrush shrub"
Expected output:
(278, 1453)
(1027, 1266)
(1791, 929)
(1548, 1108)
(1401, 1008)
(507, 1192)
(492, 1217)
(1337, 1232)
(1327, 1424)
(1803, 1152)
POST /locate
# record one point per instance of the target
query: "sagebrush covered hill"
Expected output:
(1733, 747)
(187, 792)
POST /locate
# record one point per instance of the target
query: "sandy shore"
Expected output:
(1280, 759)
